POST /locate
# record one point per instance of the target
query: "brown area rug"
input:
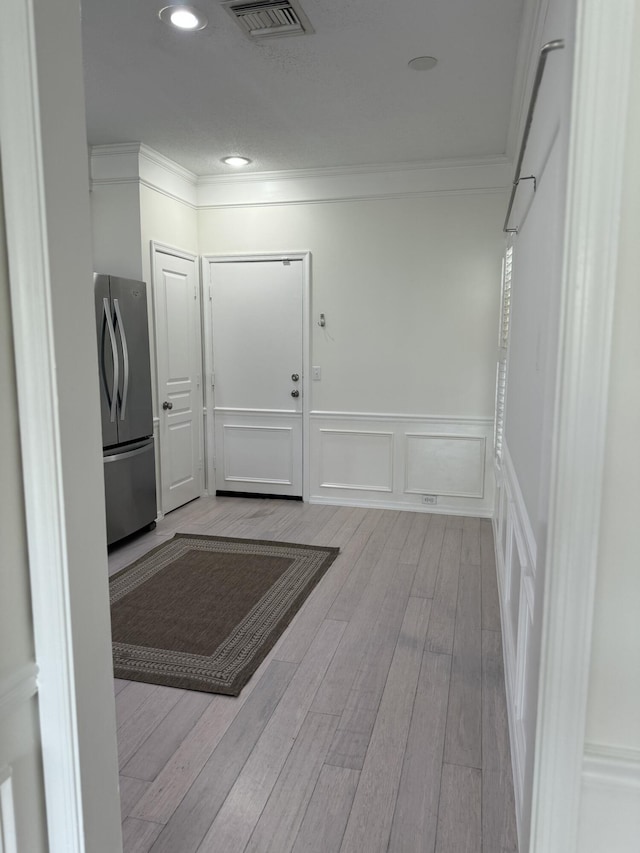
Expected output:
(201, 612)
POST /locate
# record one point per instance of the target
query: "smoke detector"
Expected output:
(269, 18)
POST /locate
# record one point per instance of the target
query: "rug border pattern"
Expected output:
(239, 655)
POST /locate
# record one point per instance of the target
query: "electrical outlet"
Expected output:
(430, 499)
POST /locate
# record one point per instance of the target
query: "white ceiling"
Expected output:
(343, 96)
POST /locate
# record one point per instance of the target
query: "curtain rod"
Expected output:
(557, 44)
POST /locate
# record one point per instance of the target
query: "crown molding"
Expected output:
(358, 183)
(133, 162)
(363, 169)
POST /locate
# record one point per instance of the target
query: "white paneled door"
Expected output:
(179, 353)
(257, 310)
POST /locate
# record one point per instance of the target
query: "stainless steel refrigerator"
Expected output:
(125, 401)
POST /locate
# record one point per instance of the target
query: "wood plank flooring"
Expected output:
(377, 723)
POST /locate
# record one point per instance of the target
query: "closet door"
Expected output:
(179, 351)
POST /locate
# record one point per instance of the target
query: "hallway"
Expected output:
(377, 722)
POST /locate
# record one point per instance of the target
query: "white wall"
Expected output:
(174, 223)
(409, 288)
(20, 747)
(115, 221)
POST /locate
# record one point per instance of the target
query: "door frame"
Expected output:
(165, 249)
(600, 87)
(303, 255)
(45, 172)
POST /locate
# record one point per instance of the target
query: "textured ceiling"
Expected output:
(340, 97)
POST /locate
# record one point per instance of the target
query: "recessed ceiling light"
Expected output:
(236, 161)
(423, 63)
(183, 17)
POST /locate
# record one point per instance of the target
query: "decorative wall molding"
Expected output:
(523, 521)
(364, 459)
(393, 417)
(134, 162)
(18, 686)
(610, 800)
(516, 569)
(448, 465)
(375, 451)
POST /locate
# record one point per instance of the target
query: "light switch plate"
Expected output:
(316, 373)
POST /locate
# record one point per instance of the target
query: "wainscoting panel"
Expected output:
(356, 459)
(393, 461)
(448, 465)
(520, 594)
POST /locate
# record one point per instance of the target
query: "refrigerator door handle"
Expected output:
(125, 357)
(114, 353)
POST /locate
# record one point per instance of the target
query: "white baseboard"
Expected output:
(610, 801)
(390, 461)
(397, 505)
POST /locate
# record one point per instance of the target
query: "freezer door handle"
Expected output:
(125, 358)
(136, 450)
(113, 403)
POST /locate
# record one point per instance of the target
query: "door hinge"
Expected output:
(213, 379)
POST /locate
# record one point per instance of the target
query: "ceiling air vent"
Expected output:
(270, 18)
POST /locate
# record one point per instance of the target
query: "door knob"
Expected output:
(295, 377)
(295, 393)
(167, 405)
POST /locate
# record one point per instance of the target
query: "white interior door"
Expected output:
(179, 353)
(257, 309)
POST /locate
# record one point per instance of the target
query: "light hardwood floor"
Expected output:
(377, 723)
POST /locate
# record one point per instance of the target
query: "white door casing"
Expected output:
(257, 333)
(179, 359)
